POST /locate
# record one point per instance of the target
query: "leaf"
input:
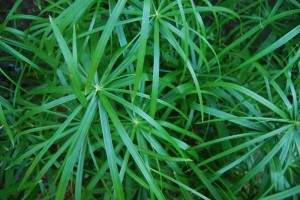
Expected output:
(142, 47)
(5, 125)
(284, 194)
(106, 34)
(71, 62)
(169, 36)
(255, 29)
(156, 66)
(162, 157)
(110, 153)
(284, 39)
(75, 148)
(260, 166)
(130, 146)
(182, 185)
(18, 55)
(252, 95)
(47, 144)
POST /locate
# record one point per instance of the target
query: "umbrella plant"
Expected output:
(150, 99)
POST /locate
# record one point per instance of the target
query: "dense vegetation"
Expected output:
(150, 99)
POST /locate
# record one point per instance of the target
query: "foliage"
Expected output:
(150, 100)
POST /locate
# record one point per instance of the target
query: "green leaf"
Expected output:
(110, 153)
(130, 146)
(252, 95)
(284, 39)
(18, 55)
(79, 172)
(47, 144)
(162, 157)
(71, 62)
(106, 34)
(255, 29)
(180, 184)
(169, 36)
(284, 194)
(5, 125)
(142, 47)
(156, 66)
(261, 165)
(75, 148)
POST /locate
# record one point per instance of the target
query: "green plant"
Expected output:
(150, 99)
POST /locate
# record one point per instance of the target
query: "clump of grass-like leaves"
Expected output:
(150, 100)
